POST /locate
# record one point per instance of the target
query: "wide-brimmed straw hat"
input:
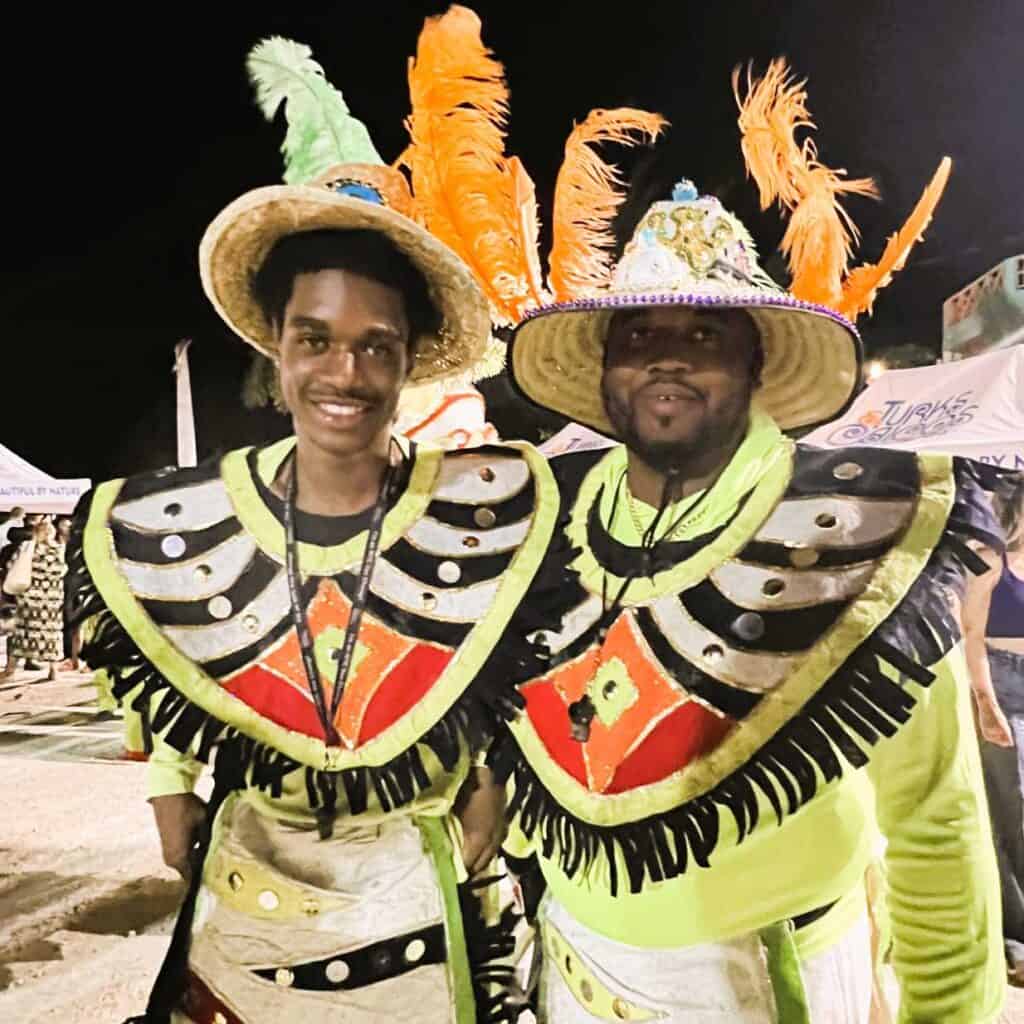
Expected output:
(691, 252)
(347, 197)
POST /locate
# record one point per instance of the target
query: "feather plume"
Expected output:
(588, 194)
(774, 107)
(820, 234)
(321, 130)
(863, 284)
(465, 193)
(525, 201)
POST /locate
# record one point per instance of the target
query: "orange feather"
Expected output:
(524, 199)
(774, 108)
(863, 284)
(820, 234)
(464, 192)
(588, 194)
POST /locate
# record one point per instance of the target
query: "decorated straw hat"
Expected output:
(691, 252)
(335, 181)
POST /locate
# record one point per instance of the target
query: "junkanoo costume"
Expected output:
(332, 887)
(728, 718)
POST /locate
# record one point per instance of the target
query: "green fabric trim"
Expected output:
(897, 570)
(784, 971)
(755, 454)
(766, 495)
(442, 853)
(193, 683)
(316, 559)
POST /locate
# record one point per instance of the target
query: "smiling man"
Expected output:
(755, 674)
(320, 617)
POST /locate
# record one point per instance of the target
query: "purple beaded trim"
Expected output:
(677, 299)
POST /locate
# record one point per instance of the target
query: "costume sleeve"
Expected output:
(944, 903)
(169, 772)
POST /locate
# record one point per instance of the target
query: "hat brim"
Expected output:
(812, 356)
(238, 240)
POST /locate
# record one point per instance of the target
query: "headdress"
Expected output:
(690, 251)
(335, 180)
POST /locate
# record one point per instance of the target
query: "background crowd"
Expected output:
(32, 571)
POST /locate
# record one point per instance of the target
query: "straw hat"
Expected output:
(347, 197)
(691, 252)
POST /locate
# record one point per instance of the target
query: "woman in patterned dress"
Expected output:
(39, 634)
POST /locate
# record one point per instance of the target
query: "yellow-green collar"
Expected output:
(762, 464)
(318, 559)
(755, 454)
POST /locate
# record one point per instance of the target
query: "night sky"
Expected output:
(125, 137)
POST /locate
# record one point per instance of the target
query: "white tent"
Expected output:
(973, 407)
(24, 486)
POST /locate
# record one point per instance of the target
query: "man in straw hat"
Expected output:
(322, 615)
(755, 672)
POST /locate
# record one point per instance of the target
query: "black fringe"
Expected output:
(493, 982)
(469, 723)
(851, 713)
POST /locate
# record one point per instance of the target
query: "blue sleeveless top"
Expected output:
(1006, 612)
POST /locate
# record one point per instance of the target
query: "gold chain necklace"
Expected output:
(635, 515)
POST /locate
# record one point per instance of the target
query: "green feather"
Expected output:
(321, 130)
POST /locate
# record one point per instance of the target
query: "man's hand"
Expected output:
(179, 819)
(480, 807)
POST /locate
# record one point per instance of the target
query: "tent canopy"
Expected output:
(973, 408)
(24, 486)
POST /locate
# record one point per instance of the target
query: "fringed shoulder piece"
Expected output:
(772, 673)
(183, 577)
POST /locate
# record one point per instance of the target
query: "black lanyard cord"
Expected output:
(299, 620)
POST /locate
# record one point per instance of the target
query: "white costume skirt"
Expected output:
(363, 927)
(587, 978)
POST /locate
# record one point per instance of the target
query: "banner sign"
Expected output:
(972, 407)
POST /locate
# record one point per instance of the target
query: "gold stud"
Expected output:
(219, 607)
(268, 900)
(203, 573)
(415, 951)
(620, 1009)
(471, 542)
(310, 906)
(712, 652)
(251, 623)
(825, 520)
(749, 626)
(173, 546)
(587, 991)
(449, 572)
(337, 971)
(487, 474)
(568, 964)
(773, 587)
(219, 1018)
(236, 881)
(484, 518)
(803, 558)
(283, 977)
(847, 471)
(429, 601)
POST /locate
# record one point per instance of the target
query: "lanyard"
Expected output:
(582, 711)
(327, 715)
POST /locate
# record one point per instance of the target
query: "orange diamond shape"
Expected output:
(614, 737)
(382, 649)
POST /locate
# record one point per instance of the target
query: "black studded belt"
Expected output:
(379, 961)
